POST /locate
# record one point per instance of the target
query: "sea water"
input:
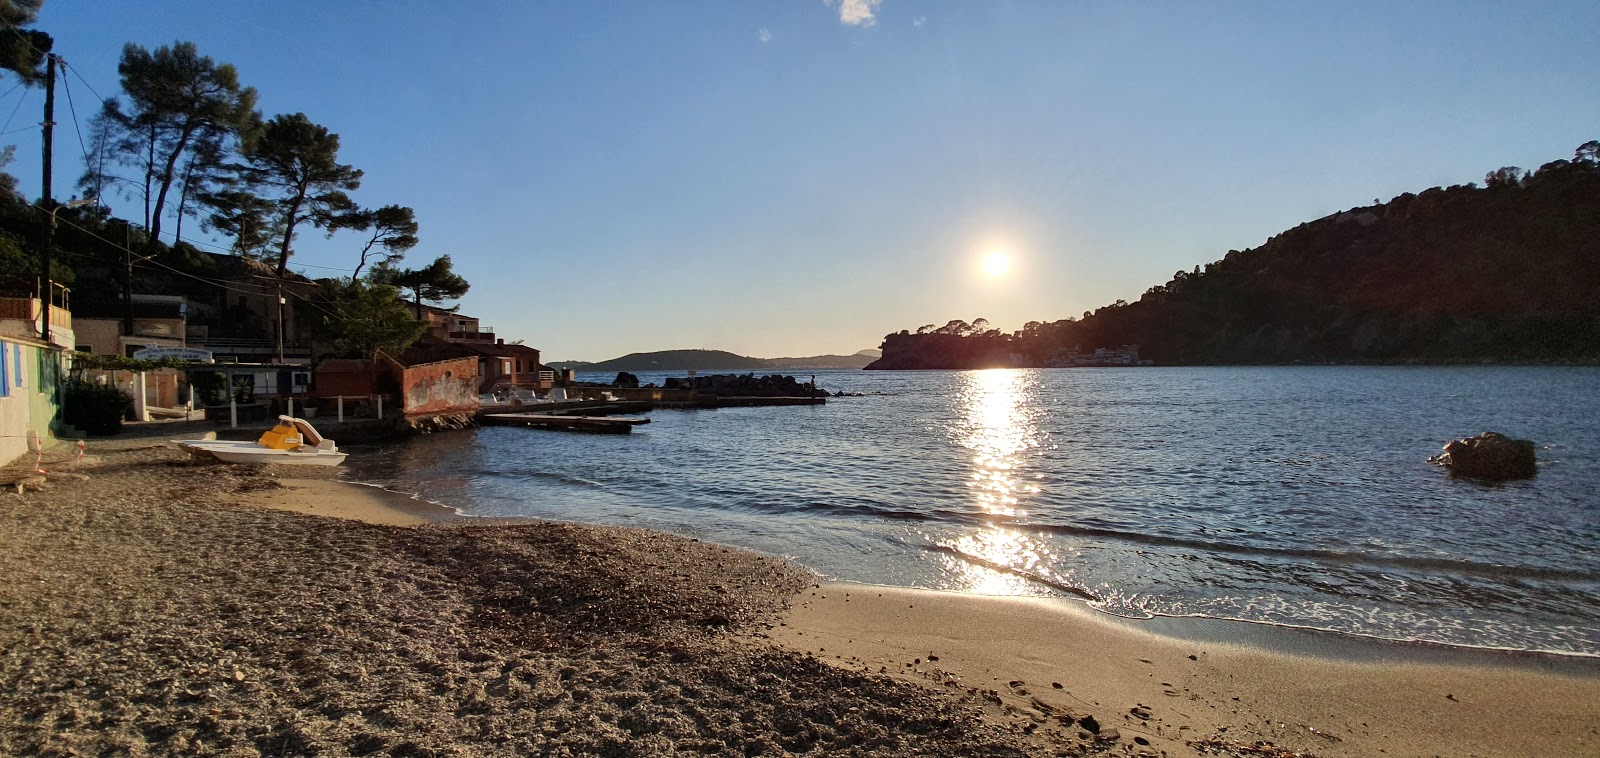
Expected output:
(1296, 496)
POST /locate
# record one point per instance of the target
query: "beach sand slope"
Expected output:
(1062, 667)
(145, 611)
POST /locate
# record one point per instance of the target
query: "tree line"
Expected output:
(183, 139)
(1503, 272)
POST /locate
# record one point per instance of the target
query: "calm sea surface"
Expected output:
(1293, 496)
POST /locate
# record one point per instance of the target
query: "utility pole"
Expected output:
(280, 323)
(46, 296)
(127, 279)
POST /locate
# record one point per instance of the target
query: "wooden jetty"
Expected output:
(601, 424)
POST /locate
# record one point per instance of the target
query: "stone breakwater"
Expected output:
(747, 385)
(145, 613)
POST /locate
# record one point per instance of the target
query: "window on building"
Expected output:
(5, 375)
(20, 377)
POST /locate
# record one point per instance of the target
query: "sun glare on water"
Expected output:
(996, 263)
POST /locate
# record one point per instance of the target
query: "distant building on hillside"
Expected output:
(450, 326)
(1122, 355)
(232, 309)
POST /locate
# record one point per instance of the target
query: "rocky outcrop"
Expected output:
(747, 385)
(448, 422)
(1490, 455)
(625, 379)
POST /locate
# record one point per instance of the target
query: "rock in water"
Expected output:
(1490, 455)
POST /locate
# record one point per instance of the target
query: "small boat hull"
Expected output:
(250, 452)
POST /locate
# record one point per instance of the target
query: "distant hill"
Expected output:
(1507, 272)
(824, 361)
(714, 360)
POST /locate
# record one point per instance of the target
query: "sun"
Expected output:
(996, 263)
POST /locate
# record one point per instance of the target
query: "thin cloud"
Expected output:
(763, 35)
(919, 22)
(856, 12)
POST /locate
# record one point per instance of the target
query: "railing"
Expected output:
(24, 308)
(27, 309)
(480, 336)
(253, 347)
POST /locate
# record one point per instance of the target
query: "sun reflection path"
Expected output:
(998, 426)
(998, 561)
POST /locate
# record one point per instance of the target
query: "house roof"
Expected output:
(502, 351)
(433, 309)
(344, 366)
(430, 350)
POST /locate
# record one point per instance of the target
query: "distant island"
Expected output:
(717, 360)
(1503, 273)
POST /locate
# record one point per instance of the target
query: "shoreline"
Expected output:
(342, 616)
(1447, 692)
(152, 610)
(352, 501)
(1036, 659)
(374, 503)
(383, 505)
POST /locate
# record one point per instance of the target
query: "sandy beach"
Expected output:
(156, 608)
(1056, 662)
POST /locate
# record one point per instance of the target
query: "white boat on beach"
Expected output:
(293, 441)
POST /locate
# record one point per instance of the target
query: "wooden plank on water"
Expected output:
(604, 424)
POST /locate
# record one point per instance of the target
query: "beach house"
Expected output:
(31, 371)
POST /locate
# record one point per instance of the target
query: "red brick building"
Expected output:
(433, 379)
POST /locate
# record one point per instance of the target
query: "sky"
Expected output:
(799, 177)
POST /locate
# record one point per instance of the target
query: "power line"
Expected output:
(140, 261)
(151, 259)
(229, 251)
(13, 115)
(76, 73)
(73, 108)
(25, 38)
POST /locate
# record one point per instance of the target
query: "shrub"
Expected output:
(95, 408)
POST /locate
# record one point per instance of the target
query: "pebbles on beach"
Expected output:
(143, 614)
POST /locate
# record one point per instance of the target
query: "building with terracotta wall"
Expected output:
(434, 380)
(501, 366)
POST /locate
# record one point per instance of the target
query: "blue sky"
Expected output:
(802, 177)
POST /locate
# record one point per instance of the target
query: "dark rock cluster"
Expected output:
(747, 385)
(442, 423)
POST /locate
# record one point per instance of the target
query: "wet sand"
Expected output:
(158, 608)
(329, 497)
(1053, 662)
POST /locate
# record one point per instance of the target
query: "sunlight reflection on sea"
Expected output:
(1284, 495)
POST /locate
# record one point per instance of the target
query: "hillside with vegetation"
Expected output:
(1507, 272)
(715, 360)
